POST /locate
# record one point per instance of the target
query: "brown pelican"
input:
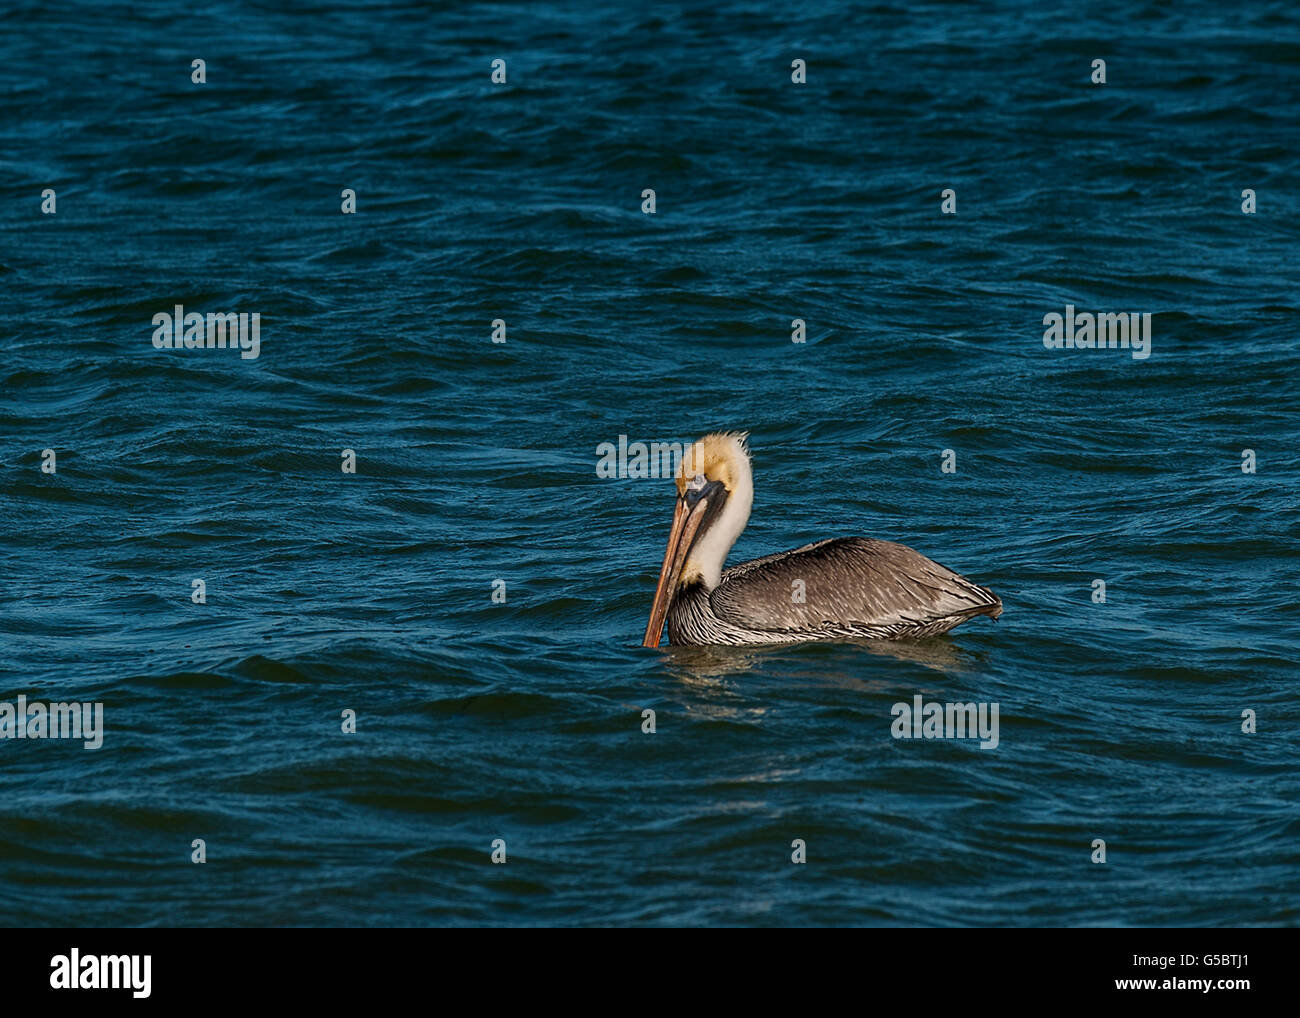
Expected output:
(843, 588)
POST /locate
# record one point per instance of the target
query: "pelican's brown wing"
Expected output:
(850, 586)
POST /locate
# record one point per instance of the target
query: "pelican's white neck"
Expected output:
(709, 554)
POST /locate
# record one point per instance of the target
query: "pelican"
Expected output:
(842, 588)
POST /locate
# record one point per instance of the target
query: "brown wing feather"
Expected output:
(854, 582)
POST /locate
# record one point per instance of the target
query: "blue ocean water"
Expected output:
(476, 461)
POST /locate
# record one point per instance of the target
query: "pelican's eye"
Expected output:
(697, 483)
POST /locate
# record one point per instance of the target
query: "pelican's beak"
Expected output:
(693, 511)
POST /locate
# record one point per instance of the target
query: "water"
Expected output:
(371, 592)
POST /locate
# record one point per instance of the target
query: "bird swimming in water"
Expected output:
(851, 587)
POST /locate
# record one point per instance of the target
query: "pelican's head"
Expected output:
(715, 490)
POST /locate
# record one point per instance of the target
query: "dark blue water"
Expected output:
(372, 592)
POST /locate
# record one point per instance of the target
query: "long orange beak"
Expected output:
(686, 521)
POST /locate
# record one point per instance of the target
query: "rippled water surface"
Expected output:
(476, 461)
